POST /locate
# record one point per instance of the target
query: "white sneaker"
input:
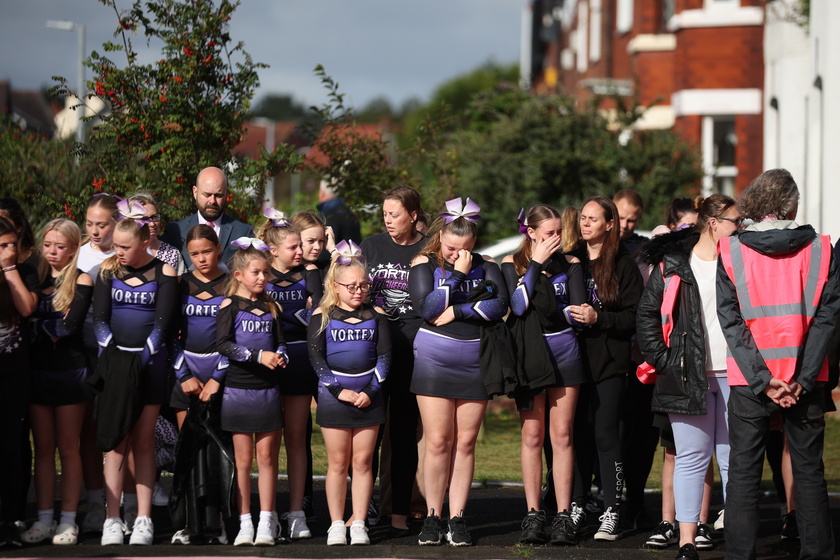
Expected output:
(719, 521)
(297, 525)
(113, 531)
(245, 537)
(65, 534)
(94, 518)
(129, 517)
(267, 533)
(337, 534)
(144, 531)
(359, 533)
(160, 497)
(181, 537)
(38, 533)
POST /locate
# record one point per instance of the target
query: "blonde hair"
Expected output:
(111, 266)
(275, 235)
(306, 219)
(536, 216)
(65, 282)
(570, 237)
(329, 301)
(239, 262)
(109, 203)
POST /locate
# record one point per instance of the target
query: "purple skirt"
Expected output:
(251, 411)
(202, 366)
(447, 367)
(565, 353)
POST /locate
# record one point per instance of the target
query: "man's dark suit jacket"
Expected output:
(229, 230)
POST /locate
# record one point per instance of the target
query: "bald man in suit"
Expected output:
(210, 193)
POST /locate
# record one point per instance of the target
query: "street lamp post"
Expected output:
(65, 25)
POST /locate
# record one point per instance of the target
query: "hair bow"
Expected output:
(522, 220)
(347, 250)
(246, 242)
(454, 210)
(133, 210)
(278, 218)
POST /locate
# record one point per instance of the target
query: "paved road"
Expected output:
(493, 517)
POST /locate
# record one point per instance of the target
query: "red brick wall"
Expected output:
(720, 57)
(655, 71)
(749, 152)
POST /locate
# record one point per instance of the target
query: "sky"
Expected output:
(398, 49)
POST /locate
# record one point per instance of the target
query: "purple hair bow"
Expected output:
(522, 220)
(245, 242)
(278, 218)
(455, 210)
(347, 250)
(133, 210)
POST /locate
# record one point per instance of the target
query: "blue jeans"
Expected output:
(804, 426)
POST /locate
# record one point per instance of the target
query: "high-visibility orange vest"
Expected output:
(779, 297)
(645, 372)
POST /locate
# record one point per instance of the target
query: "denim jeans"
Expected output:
(804, 426)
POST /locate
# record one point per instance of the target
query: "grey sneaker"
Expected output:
(94, 518)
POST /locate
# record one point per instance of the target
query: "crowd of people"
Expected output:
(712, 334)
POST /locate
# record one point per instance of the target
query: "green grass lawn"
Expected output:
(497, 452)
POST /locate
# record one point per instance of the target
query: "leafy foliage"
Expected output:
(171, 118)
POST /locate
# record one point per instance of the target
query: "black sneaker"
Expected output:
(664, 535)
(309, 508)
(458, 535)
(789, 528)
(10, 535)
(704, 537)
(563, 529)
(533, 528)
(578, 515)
(431, 533)
(687, 552)
(373, 514)
(610, 529)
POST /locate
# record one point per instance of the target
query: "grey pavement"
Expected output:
(493, 517)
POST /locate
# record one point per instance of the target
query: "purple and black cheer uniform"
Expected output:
(194, 351)
(59, 362)
(352, 352)
(567, 281)
(133, 310)
(251, 398)
(291, 290)
(446, 358)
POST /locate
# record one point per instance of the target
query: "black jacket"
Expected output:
(681, 382)
(118, 383)
(774, 244)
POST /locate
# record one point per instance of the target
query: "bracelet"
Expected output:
(9, 268)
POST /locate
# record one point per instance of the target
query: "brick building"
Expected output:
(699, 62)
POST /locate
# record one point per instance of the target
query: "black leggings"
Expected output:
(597, 421)
(403, 418)
(15, 450)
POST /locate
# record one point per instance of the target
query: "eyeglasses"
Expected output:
(353, 288)
(739, 221)
(154, 217)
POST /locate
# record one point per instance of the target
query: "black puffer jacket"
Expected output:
(681, 382)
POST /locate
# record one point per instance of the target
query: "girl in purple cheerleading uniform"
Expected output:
(543, 283)
(195, 359)
(59, 374)
(297, 288)
(134, 298)
(249, 336)
(447, 379)
(350, 349)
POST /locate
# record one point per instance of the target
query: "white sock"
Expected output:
(68, 517)
(96, 496)
(45, 516)
(358, 523)
(265, 516)
(245, 520)
(129, 501)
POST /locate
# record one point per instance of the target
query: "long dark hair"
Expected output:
(26, 237)
(603, 268)
(9, 315)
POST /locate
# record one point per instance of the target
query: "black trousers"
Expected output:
(749, 425)
(403, 418)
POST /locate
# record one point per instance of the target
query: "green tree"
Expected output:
(280, 107)
(171, 118)
(519, 149)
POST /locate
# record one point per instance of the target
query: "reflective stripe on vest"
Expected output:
(645, 372)
(778, 319)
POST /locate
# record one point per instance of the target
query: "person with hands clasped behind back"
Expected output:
(350, 349)
(249, 335)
